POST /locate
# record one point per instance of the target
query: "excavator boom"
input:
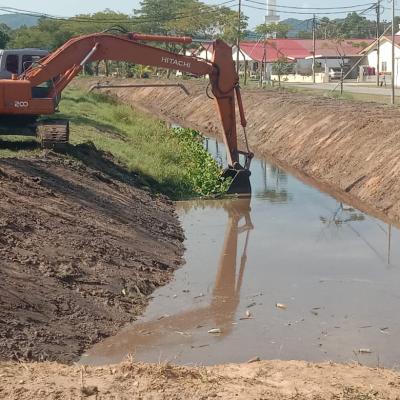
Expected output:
(38, 90)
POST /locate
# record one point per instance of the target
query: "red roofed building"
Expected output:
(328, 54)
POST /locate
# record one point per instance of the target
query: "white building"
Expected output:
(385, 57)
(272, 17)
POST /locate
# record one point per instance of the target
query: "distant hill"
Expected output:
(15, 21)
(298, 25)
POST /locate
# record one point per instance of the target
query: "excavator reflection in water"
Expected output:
(179, 329)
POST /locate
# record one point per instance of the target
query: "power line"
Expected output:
(317, 8)
(130, 20)
(296, 12)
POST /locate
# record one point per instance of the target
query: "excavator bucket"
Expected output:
(240, 180)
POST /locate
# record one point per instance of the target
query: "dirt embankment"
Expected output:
(278, 380)
(351, 146)
(81, 249)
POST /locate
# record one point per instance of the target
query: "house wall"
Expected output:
(385, 55)
(304, 66)
(296, 78)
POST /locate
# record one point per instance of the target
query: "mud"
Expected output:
(280, 380)
(352, 147)
(82, 248)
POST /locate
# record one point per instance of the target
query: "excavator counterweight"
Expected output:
(37, 90)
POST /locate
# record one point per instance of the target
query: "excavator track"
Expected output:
(53, 134)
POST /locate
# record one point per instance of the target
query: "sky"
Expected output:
(73, 7)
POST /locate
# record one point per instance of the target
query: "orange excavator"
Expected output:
(37, 91)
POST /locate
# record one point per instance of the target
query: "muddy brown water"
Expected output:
(291, 273)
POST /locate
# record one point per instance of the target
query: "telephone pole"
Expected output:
(393, 51)
(314, 47)
(238, 37)
(378, 45)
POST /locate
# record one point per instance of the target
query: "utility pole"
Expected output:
(314, 48)
(393, 51)
(378, 43)
(265, 60)
(238, 37)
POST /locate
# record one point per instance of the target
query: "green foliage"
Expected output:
(171, 161)
(280, 30)
(180, 17)
(188, 17)
(202, 171)
(48, 34)
(282, 67)
(353, 26)
(304, 35)
(4, 35)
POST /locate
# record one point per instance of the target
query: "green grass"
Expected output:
(21, 146)
(170, 161)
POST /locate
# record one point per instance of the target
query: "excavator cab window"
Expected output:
(12, 62)
(28, 60)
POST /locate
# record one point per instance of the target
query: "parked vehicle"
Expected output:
(335, 73)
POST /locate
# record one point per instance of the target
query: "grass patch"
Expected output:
(171, 161)
(12, 146)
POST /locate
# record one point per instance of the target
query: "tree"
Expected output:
(188, 17)
(280, 30)
(282, 67)
(304, 35)
(4, 35)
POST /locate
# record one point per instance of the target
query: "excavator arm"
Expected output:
(17, 96)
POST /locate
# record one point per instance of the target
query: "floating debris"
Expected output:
(253, 360)
(365, 351)
(215, 331)
(281, 306)
(200, 346)
(183, 333)
(248, 314)
(200, 295)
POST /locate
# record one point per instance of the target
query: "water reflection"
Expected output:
(344, 216)
(169, 330)
(326, 261)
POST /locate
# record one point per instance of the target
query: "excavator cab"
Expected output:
(17, 61)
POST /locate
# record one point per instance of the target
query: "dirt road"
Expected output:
(277, 380)
(81, 249)
(351, 147)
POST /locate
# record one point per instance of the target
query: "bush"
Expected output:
(203, 173)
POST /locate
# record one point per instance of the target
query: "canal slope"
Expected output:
(350, 146)
(82, 247)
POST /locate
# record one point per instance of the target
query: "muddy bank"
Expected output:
(282, 380)
(81, 249)
(352, 147)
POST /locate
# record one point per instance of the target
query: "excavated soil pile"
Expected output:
(81, 249)
(353, 147)
(278, 380)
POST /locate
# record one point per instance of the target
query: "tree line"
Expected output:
(353, 26)
(180, 17)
